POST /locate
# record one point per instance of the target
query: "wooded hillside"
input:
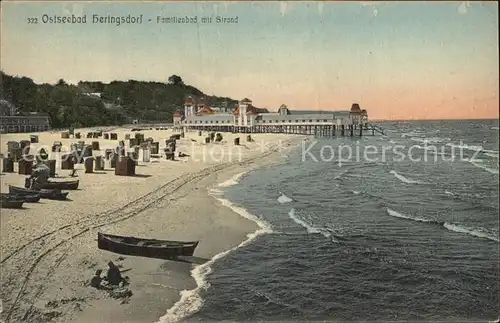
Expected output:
(119, 101)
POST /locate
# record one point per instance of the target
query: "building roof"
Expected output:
(355, 108)
(251, 110)
(189, 101)
(205, 111)
(322, 112)
(217, 116)
(293, 117)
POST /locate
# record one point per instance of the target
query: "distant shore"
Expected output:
(170, 201)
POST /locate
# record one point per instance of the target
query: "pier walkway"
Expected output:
(317, 130)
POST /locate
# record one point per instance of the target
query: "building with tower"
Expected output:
(245, 117)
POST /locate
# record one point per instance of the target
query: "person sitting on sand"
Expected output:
(96, 280)
(39, 176)
(114, 277)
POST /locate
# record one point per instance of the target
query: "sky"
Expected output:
(413, 60)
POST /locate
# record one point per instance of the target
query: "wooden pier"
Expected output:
(321, 130)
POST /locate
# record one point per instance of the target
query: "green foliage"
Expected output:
(175, 80)
(120, 101)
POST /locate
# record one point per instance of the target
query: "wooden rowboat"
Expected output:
(151, 248)
(35, 198)
(67, 185)
(11, 204)
(53, 194)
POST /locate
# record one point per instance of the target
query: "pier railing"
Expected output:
(331, 130)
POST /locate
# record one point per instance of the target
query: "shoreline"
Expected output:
(200, 273)
(157, 286)
(187, 300)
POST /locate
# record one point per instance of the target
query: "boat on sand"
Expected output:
(34, 198)
(9, 203)
(151, 248)
(63, 185)
(53, 194)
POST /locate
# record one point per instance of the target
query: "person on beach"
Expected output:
(114, 277)
(96, 280)
(39, 175)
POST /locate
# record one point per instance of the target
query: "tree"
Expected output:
(175, 80)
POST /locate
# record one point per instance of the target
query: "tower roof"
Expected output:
(189, 101)
(355, 108)
(205, 111)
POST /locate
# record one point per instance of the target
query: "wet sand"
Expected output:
(49, 249)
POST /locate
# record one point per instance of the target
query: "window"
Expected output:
(216, 121)
(303, 120)
(263, 121)
(318, 120)
(325, 120)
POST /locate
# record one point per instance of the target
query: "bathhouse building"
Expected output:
(245, 117)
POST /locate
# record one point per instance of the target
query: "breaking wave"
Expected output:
(404, 179)
(284, 199)
(477, 163)
(449, 226)
(232, 181)
(191, 300)
(309, 227)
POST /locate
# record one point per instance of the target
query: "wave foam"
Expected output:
(449, 226)
(400, 215)
(473, 232)
(432, 140)
(309, 227)
(232, 181)
(404, 179)
(284, 199)
(450, 193)
(478, 164)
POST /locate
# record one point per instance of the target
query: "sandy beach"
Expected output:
(49, 249)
